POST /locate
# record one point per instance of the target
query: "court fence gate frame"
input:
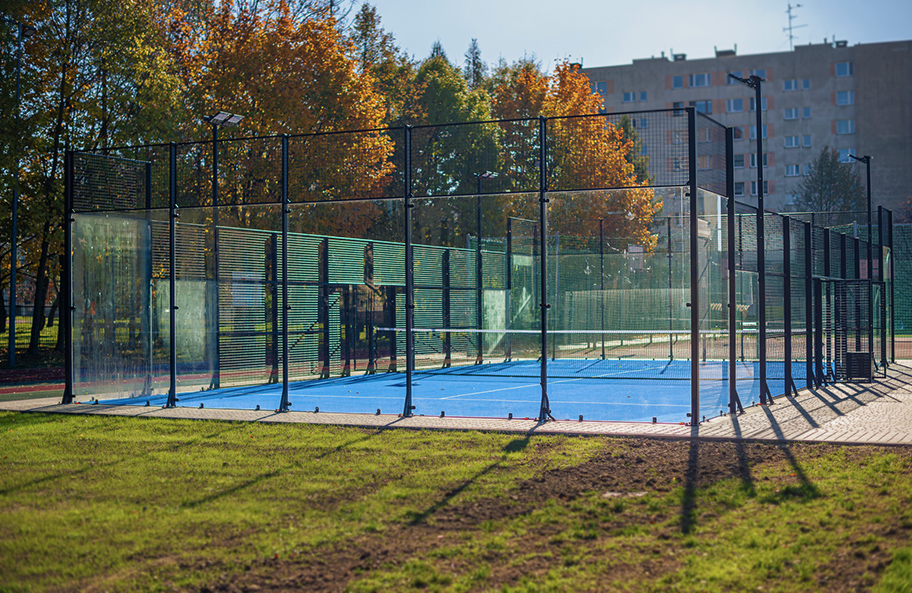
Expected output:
(455, 252)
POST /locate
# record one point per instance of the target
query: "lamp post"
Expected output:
(222, 119)
(755, 82)
(479, 306)
(23, 31)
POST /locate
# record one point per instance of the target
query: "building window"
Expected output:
(678, 107)
(730, 80)
(806, 113)
(791, 170)
(600, 88)
(845, 126)
(629, 96)
(738, 132)
(739, 188)
(703, 162)
(678, 164)
(807, 140)
(645, 150)
(791, 113)
(790, 85)
(844, 154)
(677, 136)
(753, 132)
(734, 105)
(754, 160)
(791, 141)
(845, 69)
(845, 97)
(677, 82)
(791, 199)
(644, 122)
(806, 84)
(699, 80)
(807, 169)
(761, 72)
(739, 161)
(703, 106)
(642, 95)
(754, 188)
(753, 103)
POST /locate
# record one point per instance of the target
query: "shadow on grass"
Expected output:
(514, 446)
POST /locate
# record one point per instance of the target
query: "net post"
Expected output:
(286, 210)
(545, 407)
(409, 278)
(694, 267)
(809, 303)
(66, 302)
(172, 274)
(734, 402)
(272, 280)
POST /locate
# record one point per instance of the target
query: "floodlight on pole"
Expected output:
(24, 31)
(222, 119)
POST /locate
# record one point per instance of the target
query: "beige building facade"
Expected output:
(855, 99)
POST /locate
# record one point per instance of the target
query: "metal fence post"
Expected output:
(66, 301)
(734, 402)
(787, 302)
(172, 274)
(409, 279)
(892, 285)
(809, 303)
(694, 303)
(286, 210)
(545, 408)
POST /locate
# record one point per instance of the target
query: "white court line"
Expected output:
(491, 391)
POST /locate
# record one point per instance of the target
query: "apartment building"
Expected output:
(855, 99)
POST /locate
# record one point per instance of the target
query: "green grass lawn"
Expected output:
(110, 503)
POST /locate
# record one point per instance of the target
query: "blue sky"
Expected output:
(604, 33)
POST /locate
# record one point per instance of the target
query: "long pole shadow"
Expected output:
(691, 476)
(744, 470)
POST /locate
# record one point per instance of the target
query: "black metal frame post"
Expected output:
(409, 279)
(172, 275)
(545, 408)
(286, 210)
(508, 275)
(66, 301)
(479, 305)
(216, 374)
(602, 284)
(323, 306)
(446, 309)
(694, 303)
(820, 374)
(670, 300)
(881, 278)
(787, 302)
(892, 294)
(811, 379)
(734, 402)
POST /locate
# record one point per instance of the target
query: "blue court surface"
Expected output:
(605, 390)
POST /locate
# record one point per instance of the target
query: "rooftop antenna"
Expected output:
(791, 27)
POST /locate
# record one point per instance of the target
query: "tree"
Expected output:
(831, 186)
(475, 70)
(587, 154)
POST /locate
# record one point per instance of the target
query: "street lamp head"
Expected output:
(28, 31)
(866, 159)
(488, 175)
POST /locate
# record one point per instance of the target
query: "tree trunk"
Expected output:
(41, 286)
(2, 313)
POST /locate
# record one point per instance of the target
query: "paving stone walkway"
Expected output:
(873, 413)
